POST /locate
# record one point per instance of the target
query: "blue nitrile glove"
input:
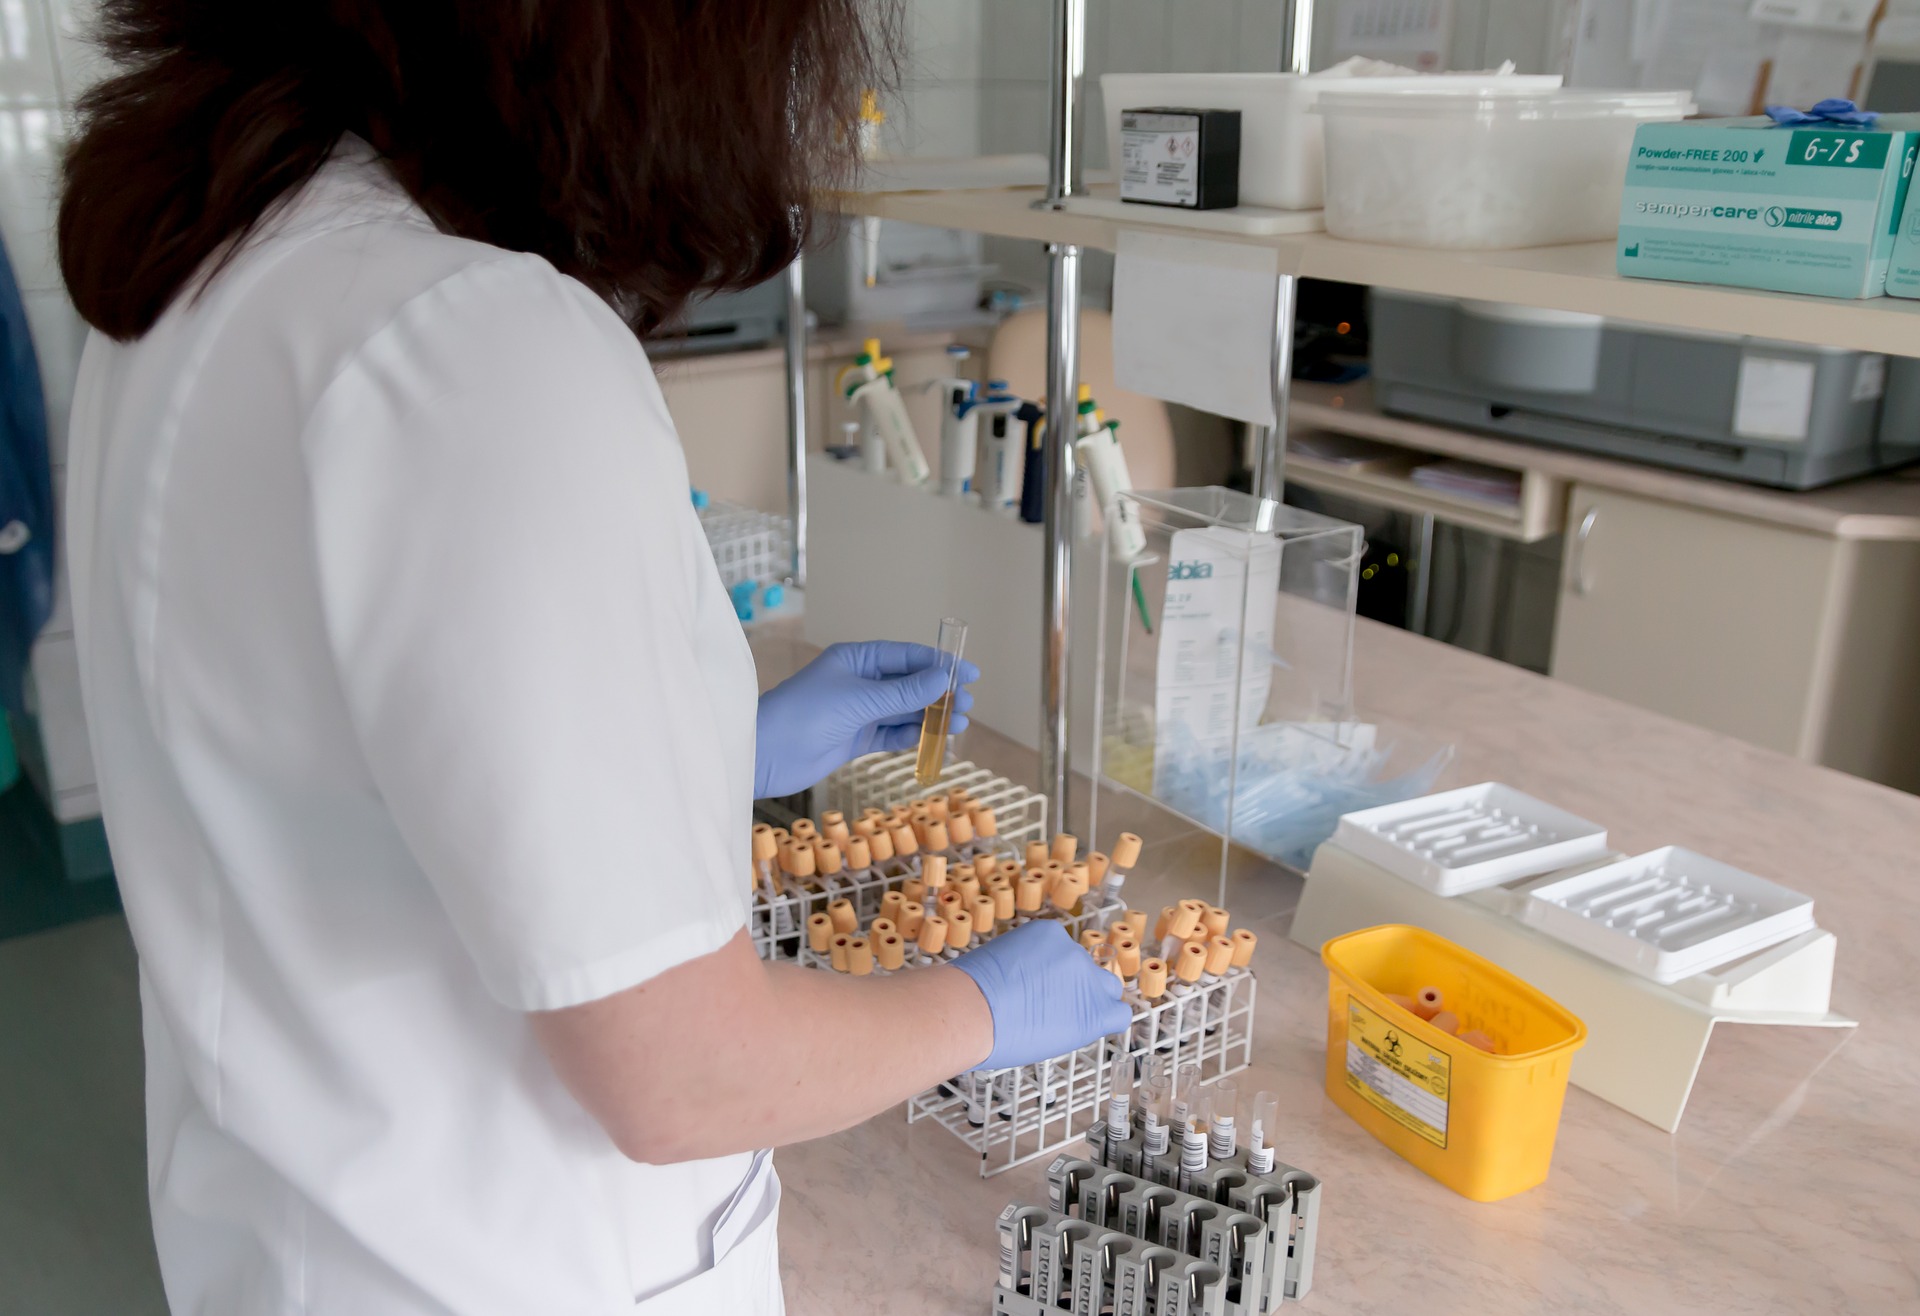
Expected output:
(1047, 995)
(853, 699)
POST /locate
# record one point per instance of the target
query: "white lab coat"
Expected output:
(418, 705)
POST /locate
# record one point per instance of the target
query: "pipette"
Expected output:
(934, 722)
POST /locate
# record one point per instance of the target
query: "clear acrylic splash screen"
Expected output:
(1225, 672)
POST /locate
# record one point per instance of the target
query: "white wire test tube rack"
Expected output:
(881, 781)
(748, 544)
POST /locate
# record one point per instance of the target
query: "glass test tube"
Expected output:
(1263, 1117)
(933, 725)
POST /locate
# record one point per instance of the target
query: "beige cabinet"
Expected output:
(1784, 637)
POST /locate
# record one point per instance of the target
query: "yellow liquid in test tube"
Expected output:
(939, 714)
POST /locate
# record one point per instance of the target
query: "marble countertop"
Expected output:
(1792, 1184)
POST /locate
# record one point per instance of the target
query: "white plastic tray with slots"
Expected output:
(1669, 914)
(1474, 837)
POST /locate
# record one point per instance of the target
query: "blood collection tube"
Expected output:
(833, 825)
(1193, 1138)
(1119, 1102)
(938, 839)
(935, 721)
(1002, 892)
(1244, 942)
(932, 941)
(1215, 919)
(1221, 1132)
(859, 956)
(960, 832)
(843, 916)
(986, 826)
(1263, 1120)
(1065, 846)
(1120, 860)
(1037, 855)
(1156, 1115)
(959, 931)
(983, 915)
(1427, 1002)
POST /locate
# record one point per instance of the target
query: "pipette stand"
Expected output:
(1645, 1041)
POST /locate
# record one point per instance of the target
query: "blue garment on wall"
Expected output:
(26, 495)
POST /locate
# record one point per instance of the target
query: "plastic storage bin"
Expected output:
(1280, 139)
(1482, 1124)
(1471, 169)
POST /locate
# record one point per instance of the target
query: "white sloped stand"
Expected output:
(1644, 1041)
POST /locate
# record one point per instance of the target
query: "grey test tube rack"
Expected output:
(1130, 1244)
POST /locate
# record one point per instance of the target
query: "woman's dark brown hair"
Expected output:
(650, 148)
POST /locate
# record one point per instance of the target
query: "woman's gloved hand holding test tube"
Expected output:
(853, 699)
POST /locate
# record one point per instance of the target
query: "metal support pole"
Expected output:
(1296, 42)
(797, 417)
(1270, 442)
(1063, 394)
(1069, 67)
(1421, 586)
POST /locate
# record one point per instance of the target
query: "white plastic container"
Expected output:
(1280, 139)
(1478, 836)
(1469, 170)
(1669, 914)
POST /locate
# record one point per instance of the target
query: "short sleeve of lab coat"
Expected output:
(513, 585)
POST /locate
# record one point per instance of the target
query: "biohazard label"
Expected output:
(1398, 1074)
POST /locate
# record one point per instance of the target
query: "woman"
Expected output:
(427, 738)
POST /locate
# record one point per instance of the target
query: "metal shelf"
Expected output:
(1580, 277)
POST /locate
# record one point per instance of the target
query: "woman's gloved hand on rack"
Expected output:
(853, 699)
(1046, 994)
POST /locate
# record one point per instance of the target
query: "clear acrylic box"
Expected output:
(1224, 676)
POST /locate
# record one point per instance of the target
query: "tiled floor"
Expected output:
(74, 1234)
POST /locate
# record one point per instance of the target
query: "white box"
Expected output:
(1669, 914)
(1474, 837)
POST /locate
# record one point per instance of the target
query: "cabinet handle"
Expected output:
(1577, 569)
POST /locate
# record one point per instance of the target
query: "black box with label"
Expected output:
(1180, 157)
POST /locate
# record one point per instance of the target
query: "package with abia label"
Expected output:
(1806, 208)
